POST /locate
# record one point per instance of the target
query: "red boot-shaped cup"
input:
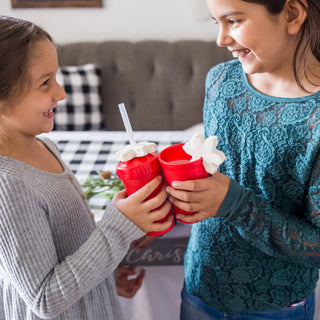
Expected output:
(196, 159)
(138, 167)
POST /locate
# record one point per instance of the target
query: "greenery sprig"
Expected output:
(104, 184)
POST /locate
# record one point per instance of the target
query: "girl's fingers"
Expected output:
(186, 206)
(186, 196)
(141, 194)
(191, 185)
(156, 201)
(161, 226)
(145, 191)
(141, 276)
(146, 213)
(120, 195)
(161, 212)
(127, 270)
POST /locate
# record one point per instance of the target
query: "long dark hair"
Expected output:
(309, 39)
(17, 37)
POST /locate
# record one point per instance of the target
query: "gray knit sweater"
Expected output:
(55, 263)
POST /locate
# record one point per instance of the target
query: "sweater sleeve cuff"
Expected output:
(233, 202)
(114, 221)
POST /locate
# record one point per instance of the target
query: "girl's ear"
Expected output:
(296, 16)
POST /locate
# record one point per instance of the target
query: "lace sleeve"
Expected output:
(294, 236)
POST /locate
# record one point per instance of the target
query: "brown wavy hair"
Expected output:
(17, 38)
(309, 37)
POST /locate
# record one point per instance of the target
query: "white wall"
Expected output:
(123, 20)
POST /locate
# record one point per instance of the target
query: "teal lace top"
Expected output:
(262, 251)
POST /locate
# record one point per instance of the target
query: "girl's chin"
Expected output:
(48, 128)
(249, 68)
(251, 65)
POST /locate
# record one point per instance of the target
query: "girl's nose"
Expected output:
(60, 94)
(224, 39)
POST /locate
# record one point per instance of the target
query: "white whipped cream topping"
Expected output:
(131, 151)
(198, 147)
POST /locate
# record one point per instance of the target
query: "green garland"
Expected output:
(104, 184)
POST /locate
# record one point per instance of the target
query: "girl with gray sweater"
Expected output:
(55, 262)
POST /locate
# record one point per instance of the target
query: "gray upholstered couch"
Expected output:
(161, 83)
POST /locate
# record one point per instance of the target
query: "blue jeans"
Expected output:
(192, 308)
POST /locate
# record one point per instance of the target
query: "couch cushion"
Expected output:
(81, 110)
(161, 83)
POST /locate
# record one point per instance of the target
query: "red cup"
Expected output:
(176, 166)
(137, 172)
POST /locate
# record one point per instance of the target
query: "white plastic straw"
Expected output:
(127, 123)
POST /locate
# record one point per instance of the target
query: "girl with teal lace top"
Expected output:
(254, 250)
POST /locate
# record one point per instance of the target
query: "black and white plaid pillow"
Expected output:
(81, 110)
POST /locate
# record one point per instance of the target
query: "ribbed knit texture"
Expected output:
(55, 263)
(262, 251)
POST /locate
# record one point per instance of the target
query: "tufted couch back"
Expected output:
(161, 83)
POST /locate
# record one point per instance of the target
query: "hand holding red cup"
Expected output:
(196, 159)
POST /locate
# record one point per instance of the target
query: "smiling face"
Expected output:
(256, 37)
(32, 113)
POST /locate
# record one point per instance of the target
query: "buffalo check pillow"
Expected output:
(81, 110)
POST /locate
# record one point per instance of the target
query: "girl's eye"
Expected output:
(232, 21)
(45, 83)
